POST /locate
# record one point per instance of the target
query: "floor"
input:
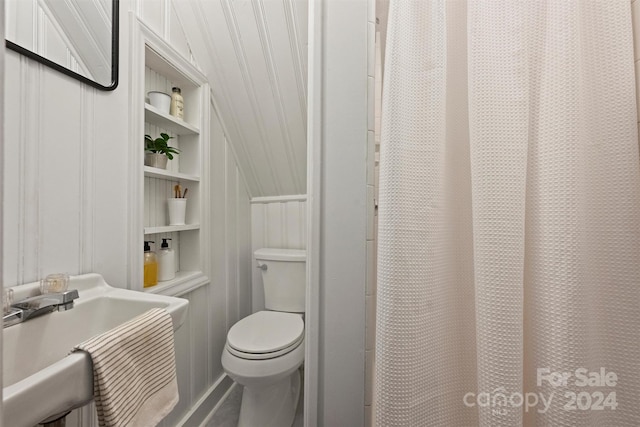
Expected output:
(228, 413)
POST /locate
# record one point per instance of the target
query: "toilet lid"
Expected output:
(266, 332)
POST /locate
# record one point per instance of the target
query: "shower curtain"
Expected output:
(509, 219)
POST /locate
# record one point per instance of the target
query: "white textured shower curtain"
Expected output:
(509, 222)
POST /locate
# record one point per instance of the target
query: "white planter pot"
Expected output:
(177, 211)
(160, 100)
(155, 160)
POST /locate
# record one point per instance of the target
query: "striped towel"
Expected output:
(134, 371)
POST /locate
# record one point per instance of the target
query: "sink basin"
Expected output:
(40, 378)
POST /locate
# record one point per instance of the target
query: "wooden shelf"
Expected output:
(169, 175)
(165, 121)
(170, 228)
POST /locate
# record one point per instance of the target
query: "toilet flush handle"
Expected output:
(262, 267)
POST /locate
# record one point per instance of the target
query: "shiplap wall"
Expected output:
(215, 307)
(65, 203)
(42, 35)
(275, 224)
(254, 53)
(65, 175)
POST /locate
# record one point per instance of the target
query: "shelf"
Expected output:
(165, 63)
(170, 228)
(155, 65)
(165, 174)
(178, 126)
(185, 281)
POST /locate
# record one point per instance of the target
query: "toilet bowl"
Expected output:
(265, 350)
(263, 353)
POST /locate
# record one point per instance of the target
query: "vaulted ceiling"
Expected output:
(254, 53)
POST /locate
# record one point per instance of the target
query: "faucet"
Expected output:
(31, 307)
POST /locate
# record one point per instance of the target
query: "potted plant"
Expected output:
(157, 151)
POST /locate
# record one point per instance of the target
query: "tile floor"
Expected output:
(228, 413)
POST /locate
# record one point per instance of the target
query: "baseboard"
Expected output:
(203, 409)
(220, 403)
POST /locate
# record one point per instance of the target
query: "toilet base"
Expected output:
(272, 405)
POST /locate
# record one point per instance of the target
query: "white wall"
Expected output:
(1, 160)
(338, 202)
(275, 223)
(65, 203)
(374, 98)
(231, 237)
(65, 169)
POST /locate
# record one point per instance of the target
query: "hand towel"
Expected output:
(134, 371)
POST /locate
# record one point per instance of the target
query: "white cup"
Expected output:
(177, 210)
(160, 100)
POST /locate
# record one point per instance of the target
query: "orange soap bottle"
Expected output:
(150, 265)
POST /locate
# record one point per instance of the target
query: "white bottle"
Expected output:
(177, 103)
(166, 262)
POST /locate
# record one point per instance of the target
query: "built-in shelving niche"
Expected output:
(157, 66)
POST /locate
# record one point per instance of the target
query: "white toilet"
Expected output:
(264, 350)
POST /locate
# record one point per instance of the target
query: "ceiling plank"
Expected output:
(253, 53)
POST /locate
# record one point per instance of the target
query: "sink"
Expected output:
(40, 376)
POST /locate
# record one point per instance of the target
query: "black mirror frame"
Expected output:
(114, 56)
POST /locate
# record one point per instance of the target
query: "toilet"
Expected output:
(265, 349)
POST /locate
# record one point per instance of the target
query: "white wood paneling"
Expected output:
(2, 168)
(238, 242)
(278, 224)
(297, 14)
(65, 174)
(65, 205)
(51, 179)
(153, 14)
(199, 302)
(90, 45)
(218, 318)
(254, 54)
(243, 238)
(59, 35)
(176, 34)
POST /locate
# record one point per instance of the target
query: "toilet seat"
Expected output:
(265, 335)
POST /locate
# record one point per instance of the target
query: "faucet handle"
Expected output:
(66, 299)
(69, 296)
(54, 283)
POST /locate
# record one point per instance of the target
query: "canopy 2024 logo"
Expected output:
(592, 398)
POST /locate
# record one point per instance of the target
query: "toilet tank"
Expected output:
(283, 279)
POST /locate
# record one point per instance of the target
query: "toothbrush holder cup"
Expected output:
(177, 210)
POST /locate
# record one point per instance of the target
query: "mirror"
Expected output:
(76, 37)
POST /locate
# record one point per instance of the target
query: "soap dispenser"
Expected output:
(150, 265)
(166, 262)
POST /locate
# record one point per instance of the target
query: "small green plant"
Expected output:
(160, 145)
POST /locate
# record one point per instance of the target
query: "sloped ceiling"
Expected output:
(254, 53)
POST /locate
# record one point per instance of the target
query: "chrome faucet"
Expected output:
(31, 307)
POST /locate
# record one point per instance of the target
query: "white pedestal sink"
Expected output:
(40, 376)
